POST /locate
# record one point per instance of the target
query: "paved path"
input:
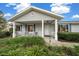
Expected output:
(59, 43)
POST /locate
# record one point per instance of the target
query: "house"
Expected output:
(36, 21)
(69, 26)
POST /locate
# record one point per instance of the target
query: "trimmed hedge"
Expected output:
(4, 34)
(69, 36)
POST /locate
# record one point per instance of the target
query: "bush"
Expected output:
(20, 45)
(76, 48)
(55, 51)
(62, 51)
(67, 36)
(33, 46)
(37, 51)
(69, 51)
(4, 34)
(23, 41)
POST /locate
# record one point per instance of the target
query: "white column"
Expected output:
(22, 29)
(56, 30)
(14, 32)
(42, 28)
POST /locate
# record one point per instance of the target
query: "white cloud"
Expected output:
(60, 8)
(11, 4)
(16, 6)
(7, 15)
(75, 16)
(21, 6)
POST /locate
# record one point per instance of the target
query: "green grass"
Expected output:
(33, 46)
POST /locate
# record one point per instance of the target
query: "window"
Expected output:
(66, 28)
(30, 28)
(18, 27)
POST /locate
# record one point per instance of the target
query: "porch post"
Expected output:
(14, 33)
(42, 28)
(56, 30)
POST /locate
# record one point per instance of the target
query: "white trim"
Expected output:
(42, 28)
(56, 30)
(46, 11)
(14, 31)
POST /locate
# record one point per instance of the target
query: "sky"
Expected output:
(70, 11)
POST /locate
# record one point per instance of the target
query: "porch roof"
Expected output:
(69, 22)
(31, 8)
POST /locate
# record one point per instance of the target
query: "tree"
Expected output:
(1, 14)
(2, 21)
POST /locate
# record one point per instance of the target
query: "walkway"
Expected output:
(59, 43)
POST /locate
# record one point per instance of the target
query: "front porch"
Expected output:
(44, 28)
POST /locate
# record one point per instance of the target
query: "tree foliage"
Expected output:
(2, 21)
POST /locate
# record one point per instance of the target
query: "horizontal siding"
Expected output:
(33, 16)
(75, 28)
(48, 29)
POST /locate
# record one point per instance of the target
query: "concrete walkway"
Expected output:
(59, 43)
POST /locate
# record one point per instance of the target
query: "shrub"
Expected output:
(20, 45)
(33, 46)
(4, 34)
(55, 51)
(67, 36)
(37, 51)
(34, 40)
(69, 51)
(62, 51)
(14, 52)
(76, 48)
(23, 41)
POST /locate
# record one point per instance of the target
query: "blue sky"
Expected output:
(69, 11)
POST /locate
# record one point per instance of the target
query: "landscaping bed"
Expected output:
(33, 46)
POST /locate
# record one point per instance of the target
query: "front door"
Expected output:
(30, 28)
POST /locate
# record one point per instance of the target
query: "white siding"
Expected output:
(48, 29)
(74, 27)
(33, 16)
(38, 28)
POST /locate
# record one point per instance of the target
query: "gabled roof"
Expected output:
(32, 8)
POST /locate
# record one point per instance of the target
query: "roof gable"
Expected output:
(32, 8)
(34, 16)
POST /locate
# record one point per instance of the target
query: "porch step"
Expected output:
(50, 41)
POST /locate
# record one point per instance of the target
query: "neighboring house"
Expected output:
(36, 21)
(69, 26)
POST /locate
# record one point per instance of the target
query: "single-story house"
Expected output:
(69, 26)
(36, 21)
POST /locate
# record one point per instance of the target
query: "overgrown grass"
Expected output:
(33, 46)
